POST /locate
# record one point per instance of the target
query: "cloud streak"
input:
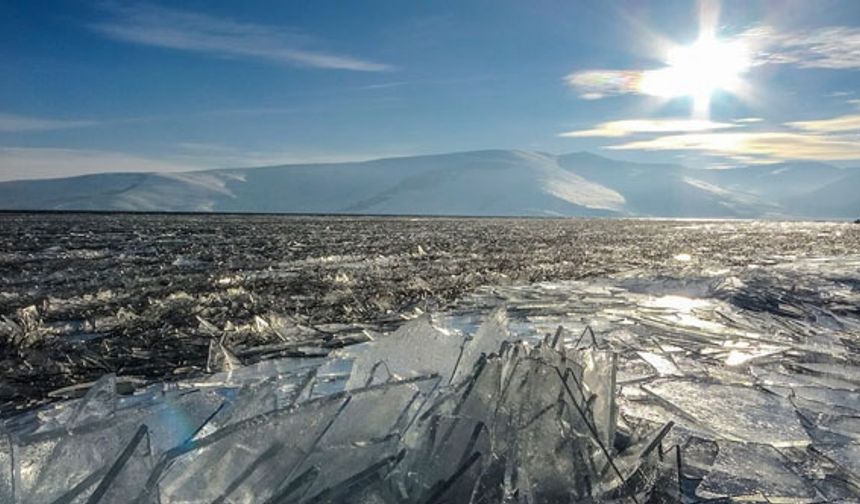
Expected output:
(597, 84)
(189, 31)
(30, 163)
(19, 163)
(849, 122)
(214, 155)
(10, 123)
(630, 126)
(773, 145)
(834, 47)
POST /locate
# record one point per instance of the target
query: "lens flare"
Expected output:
(699, 70)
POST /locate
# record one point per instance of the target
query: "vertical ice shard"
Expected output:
(523, 422)
(350, 446)
(486, 340)
(417, 348)
(271, 446)
(68, 462)
(221, 358)
(49, 465)
(98, 403)
(420, 420)
(598, 378)
(7, 466)
(127, 475)
(175, 417)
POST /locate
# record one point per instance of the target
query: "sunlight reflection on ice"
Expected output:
(679, 303)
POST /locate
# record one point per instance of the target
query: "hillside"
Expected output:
(480, 183)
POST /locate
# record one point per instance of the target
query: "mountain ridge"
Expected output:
(493, 182)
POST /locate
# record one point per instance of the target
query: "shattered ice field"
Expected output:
(275, 359)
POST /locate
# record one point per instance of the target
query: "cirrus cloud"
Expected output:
(596, 84)
(189, 31)
(849, 122)
(11, 123)
(832, 47)
(772, 145)
(630, 126)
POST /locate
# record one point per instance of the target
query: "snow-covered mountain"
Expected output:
(497, 182)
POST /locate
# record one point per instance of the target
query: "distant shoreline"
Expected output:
(846, 220)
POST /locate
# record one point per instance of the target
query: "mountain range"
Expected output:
(479, 183)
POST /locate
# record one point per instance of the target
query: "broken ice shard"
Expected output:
(752, 471)
(733, 412)
(477, 420)
(414, 349)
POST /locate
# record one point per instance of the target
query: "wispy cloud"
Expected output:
(383, 85)
(10, 123)
(596, 84)
(216, 155)
(629, 126)
(849, 122)
(767, 145)
(28, 163)
(189, 31)
(834, 47)
(38, 163)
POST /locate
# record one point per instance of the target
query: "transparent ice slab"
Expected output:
(478, 419)
(752, 471)
(733, 412)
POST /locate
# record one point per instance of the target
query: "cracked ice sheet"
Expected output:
(733, 412)
(754, 348)
(754, 472)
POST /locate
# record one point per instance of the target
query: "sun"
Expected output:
(698, 70)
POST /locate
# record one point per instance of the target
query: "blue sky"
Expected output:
(118, 86)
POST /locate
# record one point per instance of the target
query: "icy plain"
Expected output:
(687, 383)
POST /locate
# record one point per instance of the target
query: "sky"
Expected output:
(89, 87)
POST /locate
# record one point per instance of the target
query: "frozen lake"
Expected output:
(704, 359)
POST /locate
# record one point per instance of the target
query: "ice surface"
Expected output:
(414, 349)
(81, 295)
(847, 457)
(533, 420)
(661, 363)
(733, 412)
(127, 473)
(726, 386)
(754, 472)
(759, 368)
(487, 339)
(221, 358)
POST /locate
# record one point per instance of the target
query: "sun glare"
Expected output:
(699, 70)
